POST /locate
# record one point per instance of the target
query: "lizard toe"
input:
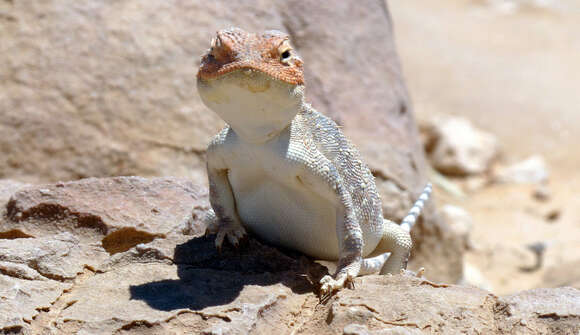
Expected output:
(219, 239)
(235, 235)
(329, 285)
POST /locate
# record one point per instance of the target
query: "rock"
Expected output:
(418, 305)
(34, 272)
(236, 291)
(9, 187)
(530, 170)
(543, 311)
(455, 147)
(78, 226)
(472, 276)
(564, 274)
(513, 6)
(459, 221)
(398, 331)
(116, 97)
(132, 107)
(475, 183)
(58, 257)
(355, 329)
(22, 299)
(553, 215)
(177, 283)
(437, 248)
(539, 250)
(542, 192)
(118, 212)
(433, 309)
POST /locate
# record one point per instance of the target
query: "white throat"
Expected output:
(256, 106)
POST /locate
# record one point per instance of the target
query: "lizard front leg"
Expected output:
(323, 179)
(226, 223)
(350, 246)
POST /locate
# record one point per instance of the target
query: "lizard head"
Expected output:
(254, 82)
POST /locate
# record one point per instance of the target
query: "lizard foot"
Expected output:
(235, 233)
(329, 285)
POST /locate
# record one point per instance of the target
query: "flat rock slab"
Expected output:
(59, 277)
(543, 310)
(21, 299)
(120, 212)
(58, 257)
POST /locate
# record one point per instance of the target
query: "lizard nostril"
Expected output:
(217, 42)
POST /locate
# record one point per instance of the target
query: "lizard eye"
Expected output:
(285, 54)
(285, 51)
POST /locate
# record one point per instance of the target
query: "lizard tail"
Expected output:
(415, 211)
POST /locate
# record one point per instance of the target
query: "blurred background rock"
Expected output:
(511, 67)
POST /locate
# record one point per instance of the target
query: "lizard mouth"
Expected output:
(211, 70)
(247, 78)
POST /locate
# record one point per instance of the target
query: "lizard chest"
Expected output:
(274, 203)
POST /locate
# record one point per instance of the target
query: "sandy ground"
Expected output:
(513, 68)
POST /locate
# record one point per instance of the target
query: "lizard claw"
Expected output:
(350, 285)
(224, 228)
(329, 285)
(233, 233)
(325, 297)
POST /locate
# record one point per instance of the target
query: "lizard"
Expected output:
(286, 172)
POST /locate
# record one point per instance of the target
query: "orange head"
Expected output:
(234, 49)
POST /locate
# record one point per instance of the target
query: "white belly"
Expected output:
(284, 212)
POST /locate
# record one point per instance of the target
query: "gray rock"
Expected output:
(564, 274)
(456, 147)
(57, 257)
(176, 283)
(22, 299)
(117, 96)
(542, 192)
(531, 170)
(543, 311)
(472, 276)
(118, 212)
(50, 235)
(459, 221)
(9, 187)
(355, 329)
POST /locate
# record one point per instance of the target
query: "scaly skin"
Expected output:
(286, 172)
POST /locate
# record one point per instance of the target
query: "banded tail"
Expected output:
(415, 211)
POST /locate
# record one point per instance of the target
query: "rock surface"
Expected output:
(456, 147)
(531, 170)
(108, 88)
(60, 279)
(104, 88)
(460, 222)
(537, 309)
